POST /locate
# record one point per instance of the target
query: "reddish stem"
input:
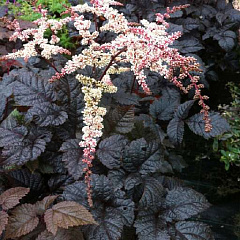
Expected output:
(134, 80)
(95, 21)
(111, 61)
(50, 63)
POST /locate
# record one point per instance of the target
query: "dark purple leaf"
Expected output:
(175, 130)
(27, 149)
(164, 108)
(197, 125)
(31, 89)
(72, 157)
(149, 225)
(11, 132)
(24, 178)
(142, 156)
(152, 193)
(183, 203)
(46, 114)
(111, 209)
(110, 151)
(193, 231)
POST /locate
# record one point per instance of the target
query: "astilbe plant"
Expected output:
(136, 47)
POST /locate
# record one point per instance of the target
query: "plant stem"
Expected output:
(134, 79)
(50, 63)
(111, 61)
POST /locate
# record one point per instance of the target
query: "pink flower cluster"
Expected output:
(144, 46)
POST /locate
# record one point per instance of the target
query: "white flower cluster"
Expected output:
(93, 114)
(36, 43)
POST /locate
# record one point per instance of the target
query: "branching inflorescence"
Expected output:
(143, 46)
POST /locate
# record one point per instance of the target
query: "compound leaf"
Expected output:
(164, 108)
(183, 203)
(10, 198)
(197, 125)
(67, 214)
(132, 180)
(126, 122)
(126, 98)
(72, 157)
(155, 162)
(189, 45)
(22, 221)
(226, 39)
(3, 104)
(177, 162)
(111, 217)
(135, 154)
(110, 151)
(6, 90)
(169, 183)
(188, 23)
